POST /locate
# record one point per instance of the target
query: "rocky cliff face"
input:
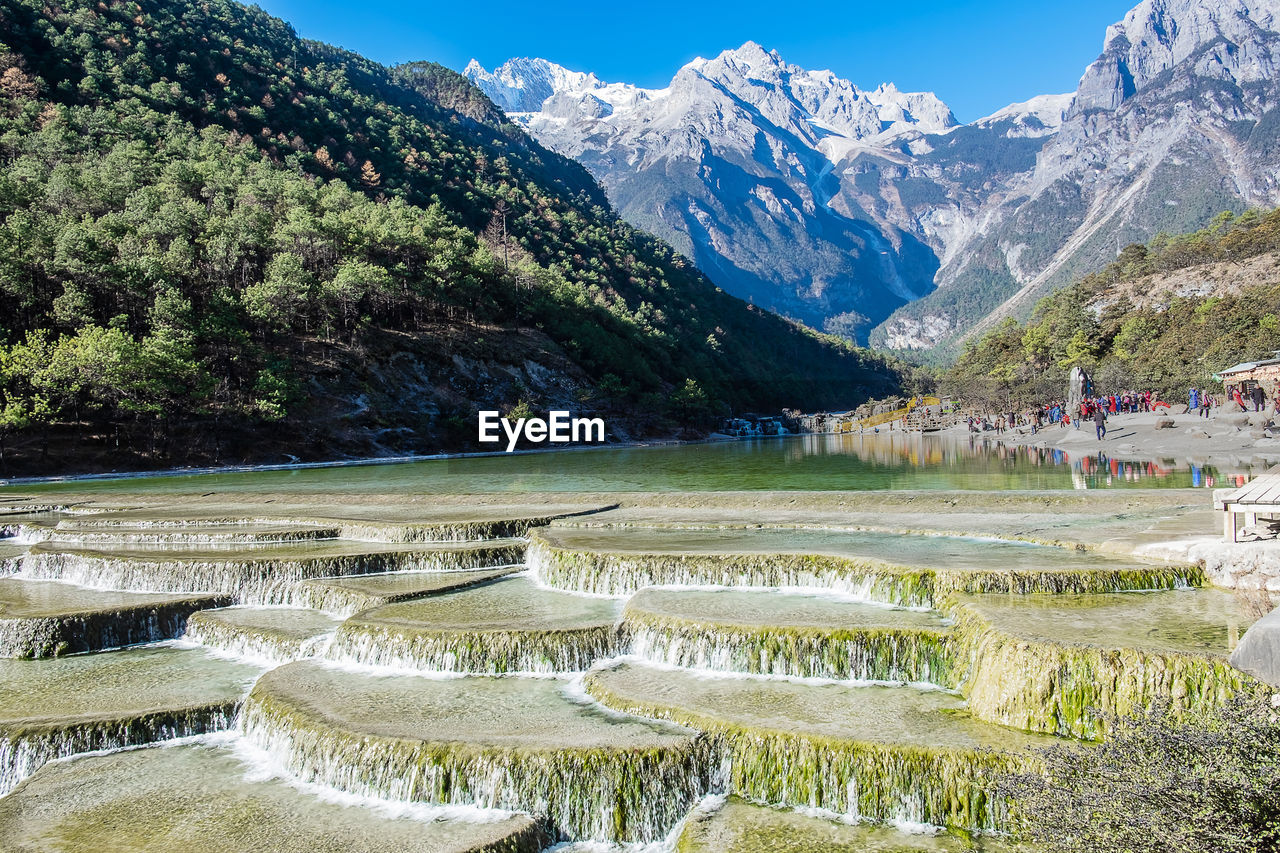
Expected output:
(873, 214)
(734, 162)
(1174, 122)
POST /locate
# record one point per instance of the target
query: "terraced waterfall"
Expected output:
(481, 677)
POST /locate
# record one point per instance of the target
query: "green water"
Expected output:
(942, 552)
(740, 827)
(838, 712)
(1209, 621)
(817, 463)
(204, 799)
(118, 684)
(749, 608)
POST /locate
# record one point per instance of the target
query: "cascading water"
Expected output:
(492, 653)
(22, 752)
(345, 597)
(508, 743)
(71, 633)
(606, 573)
(399, 701)
(507, 625)
(1071, 688)
(884, 655)
(273, 635)
(601, 573)
(252, 578)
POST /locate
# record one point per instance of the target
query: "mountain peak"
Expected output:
(1038, 116)
(523, 84)
(1156, 35)
(751, 51)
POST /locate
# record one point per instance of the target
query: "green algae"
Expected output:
(740, 827)
(625, 572)
(774, 633)
(876, 753)
(463, 530)
(1062, 664)
(277, 634)
(346, 596)
(262, 575)
(510, 625)
(44, 619)
(55, 708)
(510, 743)
(93, 532)
(201, 799)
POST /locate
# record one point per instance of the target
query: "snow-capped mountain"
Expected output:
(1178, 119)
(733, 162)
(852, 209)
(1040, 116)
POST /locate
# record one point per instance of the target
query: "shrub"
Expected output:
(1161, 783)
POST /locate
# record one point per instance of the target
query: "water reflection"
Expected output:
(1087, 471)
(888, 460)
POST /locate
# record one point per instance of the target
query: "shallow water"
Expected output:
(117, 684)
(811, 462)
(28, 599)
(516, 712)
(893, 715)
(774, 609)
(739, 827)
(505, 626)
(202, 798)
(512, 604)
(346, 596)
(1193, 620)
(942, 552)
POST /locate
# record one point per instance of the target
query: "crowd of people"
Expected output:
(1060, 412)
(1097, 409)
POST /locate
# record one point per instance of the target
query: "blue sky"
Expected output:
(977, 56)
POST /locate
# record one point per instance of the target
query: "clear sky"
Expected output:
(977, 56)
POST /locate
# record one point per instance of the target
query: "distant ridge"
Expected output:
(874, 215)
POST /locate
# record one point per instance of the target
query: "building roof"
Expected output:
(1246, 366)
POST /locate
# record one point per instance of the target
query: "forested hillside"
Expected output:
(220, 242)
(1164, 316)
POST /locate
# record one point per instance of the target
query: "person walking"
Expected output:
(1100, 421)
(1205, 402)
(1194, 401)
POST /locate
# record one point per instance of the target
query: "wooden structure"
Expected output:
(1257, 499)
(1246, 376)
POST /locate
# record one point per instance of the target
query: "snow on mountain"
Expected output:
(790, 96)
(737, 161)
(1174, 121)
(525, 85)
(873, 213)
(1039, 116)
(1156, 35)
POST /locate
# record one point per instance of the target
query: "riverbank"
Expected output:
(1224, 440)
(189, 471)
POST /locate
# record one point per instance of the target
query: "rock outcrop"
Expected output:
(873, 214)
